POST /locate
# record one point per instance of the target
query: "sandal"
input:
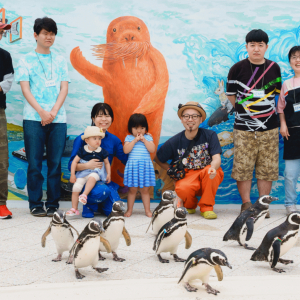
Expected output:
(83, 199)
(72, 212)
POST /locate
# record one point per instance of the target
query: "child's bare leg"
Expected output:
(146, 201)
(89, 185)
(75, 196)
(130, 201)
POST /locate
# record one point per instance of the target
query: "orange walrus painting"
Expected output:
(134, 77)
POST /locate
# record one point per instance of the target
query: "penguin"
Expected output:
(114, 226)
(62, 234)
(199, 265)
(279, 241)
(248, 221)
(85, 249)
(171, 234)
(164, 212)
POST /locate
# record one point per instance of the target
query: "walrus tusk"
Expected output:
(136, 59)
(123, 62)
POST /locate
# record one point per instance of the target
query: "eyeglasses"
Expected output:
(295, 57)
(194, 117)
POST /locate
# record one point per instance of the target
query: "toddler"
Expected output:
(139, 171)
(92, 150)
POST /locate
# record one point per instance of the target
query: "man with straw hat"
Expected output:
(196, 154)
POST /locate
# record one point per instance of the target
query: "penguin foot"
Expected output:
(190, 288)
(78, 275)
(101, 257)
(178, 259)
(278, 270)
(70, 260)
(161, 259)
(248, 248)
(100, 270)
(285, 261)
(58, 258)
(116, 258)
(210, 290)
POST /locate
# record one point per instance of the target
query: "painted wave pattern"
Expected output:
(216, 57)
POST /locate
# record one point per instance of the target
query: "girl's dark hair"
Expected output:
(45, 23)
(293, 51)
(104, 108)
(137, 120)
(257, 35)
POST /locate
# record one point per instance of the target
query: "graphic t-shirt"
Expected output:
(36, 68)
(254, 110)
(201, 154)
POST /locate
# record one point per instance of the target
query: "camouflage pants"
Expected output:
(3, 158)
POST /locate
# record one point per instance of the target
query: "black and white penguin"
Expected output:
(85, 249)
(171, 234)
(248, 221)
(114, 226)
(62, 235)
(199, 265)
(164, 212)
(279, 241)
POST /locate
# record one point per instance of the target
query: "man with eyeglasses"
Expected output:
(6, 80)
(203, 173)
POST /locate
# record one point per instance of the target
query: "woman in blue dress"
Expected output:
(102, 196)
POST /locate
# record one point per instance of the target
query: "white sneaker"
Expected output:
(290, 209)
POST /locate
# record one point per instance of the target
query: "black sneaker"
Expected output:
(51, 211)
(38, 212)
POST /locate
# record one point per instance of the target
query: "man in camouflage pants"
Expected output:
(6, 79)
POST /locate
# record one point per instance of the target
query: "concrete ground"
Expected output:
(26, 268)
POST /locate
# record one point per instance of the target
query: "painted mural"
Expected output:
(192, 47)
(134, 77)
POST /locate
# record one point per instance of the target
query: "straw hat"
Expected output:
(92, 131)
(194, 105)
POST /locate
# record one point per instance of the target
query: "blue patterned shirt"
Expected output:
(30, 68)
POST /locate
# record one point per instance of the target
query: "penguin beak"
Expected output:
(274, 199)
(123, 209)
(174, 195)
(228, 265)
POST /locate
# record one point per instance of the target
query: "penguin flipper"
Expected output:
(72, 227)
(276, 248)
(106, 244)
(45, 236)
(126, 236)
(152, 219)
(188, 240)
(250, 228)
(219, 272)
(187, 267)
(158, 239)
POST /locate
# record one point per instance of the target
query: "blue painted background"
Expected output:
(200, 41)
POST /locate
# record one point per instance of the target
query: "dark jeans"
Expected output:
(35, 137)
(3, 158)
